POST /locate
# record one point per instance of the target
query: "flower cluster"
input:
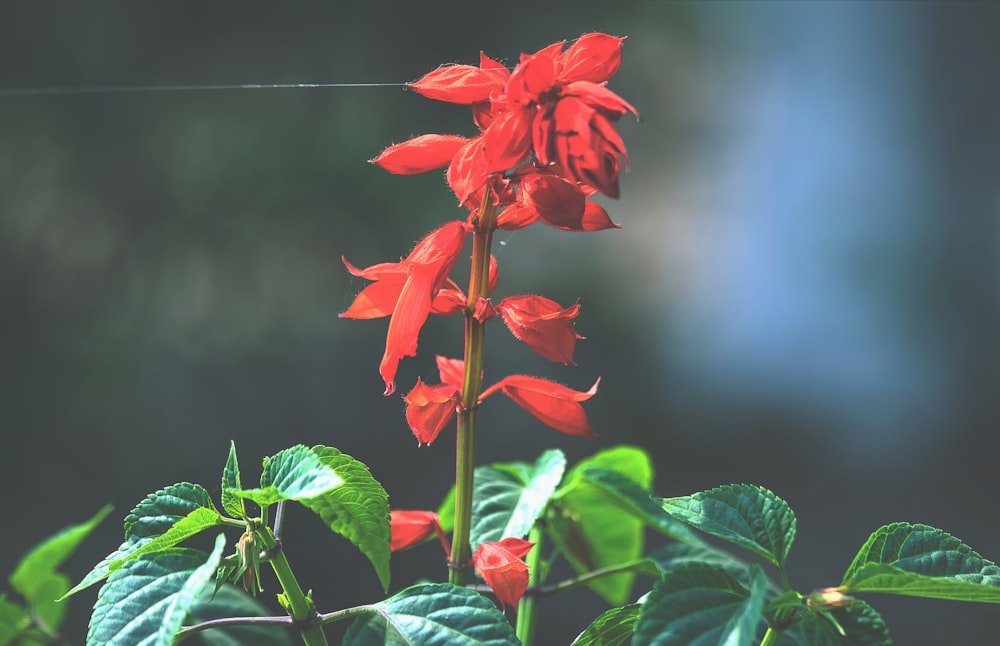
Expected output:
(546, 144)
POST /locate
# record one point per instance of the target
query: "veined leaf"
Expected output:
(596, 525)
(293, 474)
(161, 509)
(861, 624)
(433, 615)
(198, 520)
(145, 601)
(358, 510)
(699, 605)
(231, 503)
(611, 628)
(746, 515)
(637, 501)
(508, 499)
(922, 561)
(32, 571)
(230, 601)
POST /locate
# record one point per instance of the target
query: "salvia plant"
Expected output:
(546, 144)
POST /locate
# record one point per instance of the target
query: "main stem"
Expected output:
(475, 340)
(527, 609)
(300, 606)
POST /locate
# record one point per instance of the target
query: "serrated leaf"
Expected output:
(674, 555)
(161, 509)
(611, 628)
(742, 627)
(231, 503)
(695, 605)
(230, 601)
(358, 510)
(198, 520)
(145, 601)
(594, 526)
(432, 615)
(862, 627)
(293, 474)
(43, 560)
(922, 561)
(746, 515)
(508, 499)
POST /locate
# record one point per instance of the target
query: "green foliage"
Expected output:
(146, 600)
(508, 498)
(746, 515)
(432, 615)
(612, 627)
(855, 625)
(231, 503)
(293, 474)
(698, 604)
(229, 601)
(358, 510)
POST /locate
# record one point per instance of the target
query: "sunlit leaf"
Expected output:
(358, 510)
(293, 474)
(611, 628)
(231, 503)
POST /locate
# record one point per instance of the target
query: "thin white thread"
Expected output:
(119, 89)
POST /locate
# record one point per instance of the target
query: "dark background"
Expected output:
(804, 293)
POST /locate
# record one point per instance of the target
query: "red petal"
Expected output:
(507, 140)
(558, 202)
(516, 216)
(493, 67)
(600, 97)
(533, 76)
(452, 371)
(429, 409)
(595, 218)
(411, 527)
(420, 154)
(449, 300)
(427, 268)
(550, 403)
(516, 546)
(543, 324)
(503, 571)
(462, 84)
(593, 57)
(376, 300)
(467, 173)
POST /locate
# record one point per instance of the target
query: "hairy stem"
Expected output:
(475, 340)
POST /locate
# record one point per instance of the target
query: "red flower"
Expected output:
(554, 405)
(420, 154)
(412, 527)
(543, 324)
(426, 271)
(429, 409)
(501, 566)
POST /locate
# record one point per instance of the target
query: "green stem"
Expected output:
(475, 341)
(299, 606)
(771, 637)
(527, 609)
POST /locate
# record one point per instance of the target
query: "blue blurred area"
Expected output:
(804, 293)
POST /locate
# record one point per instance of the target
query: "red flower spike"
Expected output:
(501, 566)
(429, 409)
(420, 154)
(427, 269)
(452, 371)
(462, 84)
(543, 324)
(412, 527)
(554, 405)
(593, 57)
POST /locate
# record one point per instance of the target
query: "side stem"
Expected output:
(475, 340)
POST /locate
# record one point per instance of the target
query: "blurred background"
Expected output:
(804, 293)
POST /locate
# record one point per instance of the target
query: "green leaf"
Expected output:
(597, 525)
(922, 561)
(861, 624)
(746, 515)
(35, 568)
(432, 615)
(293, 474)
(230, 601)
(146, 601)
(47, 605)
(358, 510)
(232, 503)
(161, 509)
(13, 619)
(446, 511)
(674, 555)
(197, 521)
(611, 628)
(638, 502)
(699, 605)
(508, 499)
